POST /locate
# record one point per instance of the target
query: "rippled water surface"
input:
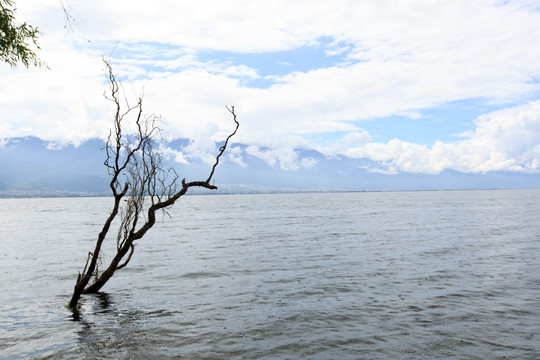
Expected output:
(397, 275)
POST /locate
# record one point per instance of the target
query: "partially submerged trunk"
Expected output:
(149, 188)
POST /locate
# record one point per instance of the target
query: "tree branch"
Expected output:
(222, 149)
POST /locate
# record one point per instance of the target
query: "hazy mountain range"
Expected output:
(32, 167)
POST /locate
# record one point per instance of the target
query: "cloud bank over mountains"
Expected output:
(31, 166)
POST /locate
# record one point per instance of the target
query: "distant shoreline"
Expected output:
(22, 194)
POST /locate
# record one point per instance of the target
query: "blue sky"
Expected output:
(414, 86)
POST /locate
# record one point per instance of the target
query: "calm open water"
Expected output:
(392, 275)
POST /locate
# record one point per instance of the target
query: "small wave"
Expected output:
(202, 274)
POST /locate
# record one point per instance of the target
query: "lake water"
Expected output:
(390, 275)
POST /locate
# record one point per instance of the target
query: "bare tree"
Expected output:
(139, 179)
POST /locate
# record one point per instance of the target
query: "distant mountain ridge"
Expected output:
(30, 166)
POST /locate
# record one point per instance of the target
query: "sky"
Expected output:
(415, 86)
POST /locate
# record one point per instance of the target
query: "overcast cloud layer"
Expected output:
(418, 86)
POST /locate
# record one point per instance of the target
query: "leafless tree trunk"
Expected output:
(147, 189)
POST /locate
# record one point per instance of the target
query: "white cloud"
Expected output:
(168, 153)
(506, 140)
(64, 104)
(234, 155)
(357, 138)
(284, 158)
(308, 163)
